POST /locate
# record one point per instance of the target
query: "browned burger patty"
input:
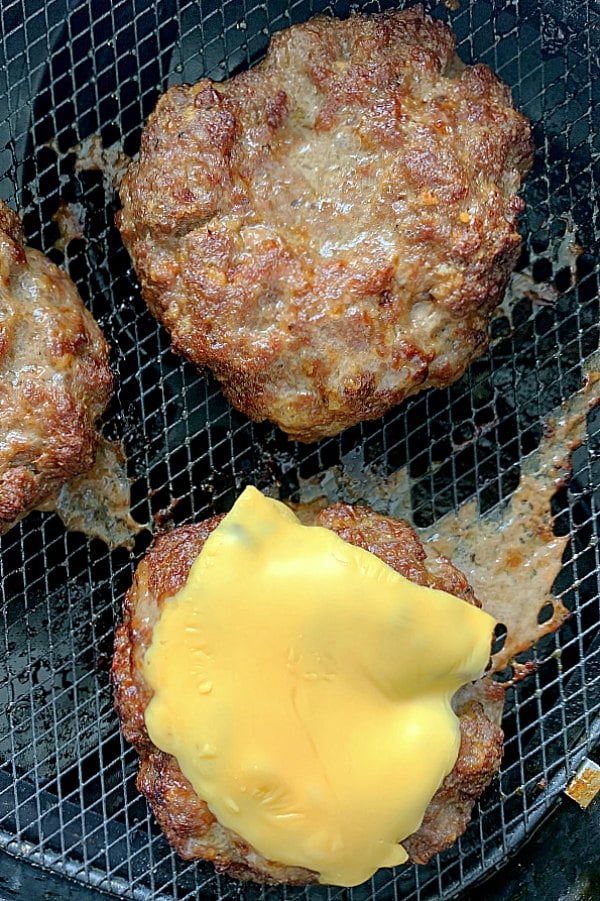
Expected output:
(185, 819)
(331, 231)
(55, 379)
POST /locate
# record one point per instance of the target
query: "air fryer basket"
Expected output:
(72, 69)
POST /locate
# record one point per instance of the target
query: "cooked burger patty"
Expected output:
(185, 818)
(55, 379)
(332, 230)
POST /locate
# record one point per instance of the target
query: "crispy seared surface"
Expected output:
(185, 819)
(55, 379)
(331, 231)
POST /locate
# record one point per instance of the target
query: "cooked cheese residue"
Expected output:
(304, 687)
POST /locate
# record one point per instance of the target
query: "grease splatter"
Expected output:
(510, 554)
(70, 219)
(111, 161)
(98, 502)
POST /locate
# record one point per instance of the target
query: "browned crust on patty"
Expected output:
(55, 379)
(184, 818)
(479, 758)
(331, 231)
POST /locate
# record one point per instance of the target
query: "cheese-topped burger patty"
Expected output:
(55, 379)
(331, 231)
(188, 822)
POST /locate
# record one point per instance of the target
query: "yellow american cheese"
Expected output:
(304, 687)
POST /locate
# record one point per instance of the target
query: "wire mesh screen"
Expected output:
(77, 80)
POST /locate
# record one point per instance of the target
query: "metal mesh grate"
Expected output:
(75, 68)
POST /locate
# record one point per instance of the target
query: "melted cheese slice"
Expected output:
(304, 687)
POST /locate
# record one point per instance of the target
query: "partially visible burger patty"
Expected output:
(185, 818)
(55, 379)
(331, 231)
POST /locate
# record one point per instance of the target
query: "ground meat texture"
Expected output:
(331, 231)
(185, 819)
(55, 379)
